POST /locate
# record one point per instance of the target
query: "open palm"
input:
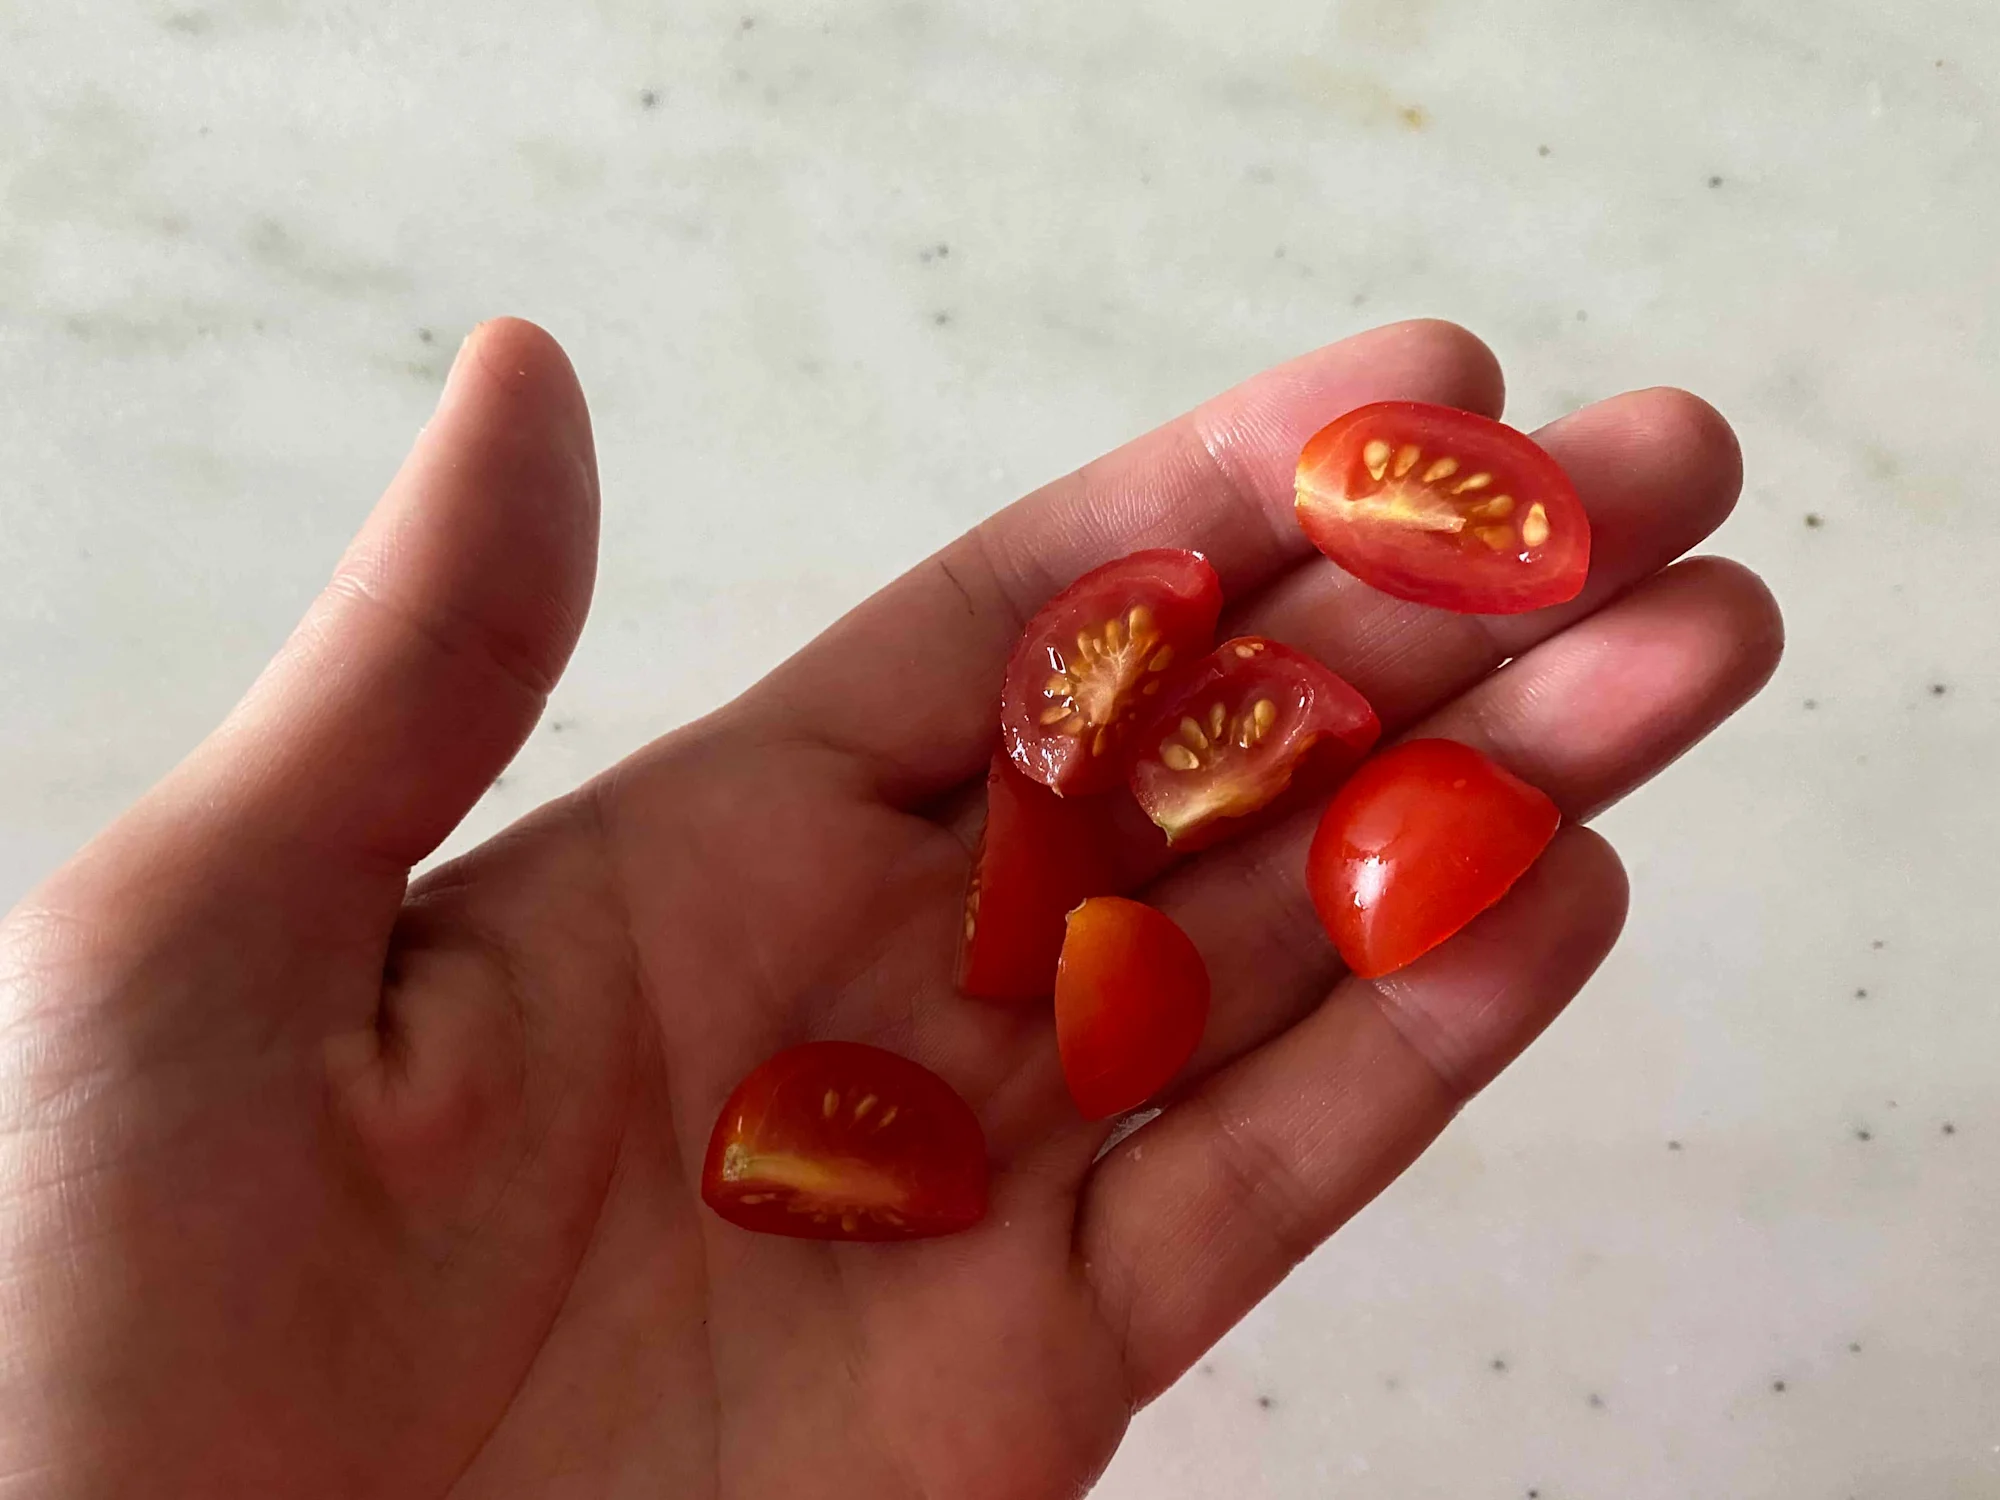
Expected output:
(315, 1184)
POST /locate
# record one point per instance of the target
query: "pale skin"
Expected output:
(316, 1182)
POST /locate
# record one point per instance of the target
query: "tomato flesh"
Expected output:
(1040, 855)
(1444, 507)
(1230, 733)
(1418, 842)
(841, 1141)
(1131, 1003)
(1093, 659)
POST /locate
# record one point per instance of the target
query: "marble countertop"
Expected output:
(870, 270)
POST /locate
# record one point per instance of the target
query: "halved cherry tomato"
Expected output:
(1444, 507)
(1092, 659)
(840, 1141)
(1040, 855)
(1131, 1002)
(1230, 732)
(1420, 840)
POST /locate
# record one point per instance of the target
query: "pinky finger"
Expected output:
(1188, 1224)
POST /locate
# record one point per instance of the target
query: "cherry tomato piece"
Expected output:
(1418, 842)
(840, 1141)
(1040, 855)
(1131, 1002)
(1444, 507)
(1231, 731)
(1094, 657)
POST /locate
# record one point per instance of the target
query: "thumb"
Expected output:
(410, 683)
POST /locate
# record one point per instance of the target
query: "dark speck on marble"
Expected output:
(557, 726)
(1854, 1348)
(942, 318)
(1812, 703)
(425, 336)
(1582, 316)
(1715, 182)
(939, 251)
(1947, 1128)
(1861, 994)
(1863, 1133)
(1540, 151)
(1778, 1386)
(1673, 1145)
(748, 23)
(1596, 1402)
(1357, 299)
(648, 98)
(1878, 945)
(1815, 520)
(1499, 1366)
(1938, 690)
(1208, 1369)
(1266, 1403)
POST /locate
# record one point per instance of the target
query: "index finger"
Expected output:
(907, 683)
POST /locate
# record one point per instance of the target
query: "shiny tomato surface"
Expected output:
(1039, 856)
(1094, 659)
(1131, 1003)
(1419, 841)
(841, 1141)
(1444, 507)
(1232, 730)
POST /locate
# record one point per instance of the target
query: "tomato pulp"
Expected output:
(1094, 658)
(1131, 1002)
(1039, 856)
(1444, 507)
(1230, 733)
(840, 1141)
(1418, 842)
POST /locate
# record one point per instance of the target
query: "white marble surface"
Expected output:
(238, 239)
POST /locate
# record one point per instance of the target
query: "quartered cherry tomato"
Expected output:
(1040, 855)
(840, 1141)
(1418, 842)
(1131, 1002)
(1444, 507)
(1094, 658)
(1231, 730)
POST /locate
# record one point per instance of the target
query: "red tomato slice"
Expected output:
(1231, 731)
(1040, 855)
(1094, 655)
(1131, 1002)
(1422, 839)
(838, 1141)
(1444, 507)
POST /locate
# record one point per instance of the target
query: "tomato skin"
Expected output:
(1207, 762)
(1092, 659)
(1419, 841)
(1131, 1003)
(1517, 540)
(1039, 856)
(841, 1141)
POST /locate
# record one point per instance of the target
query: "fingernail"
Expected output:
(458, 363)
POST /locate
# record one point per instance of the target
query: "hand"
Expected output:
(312, 1184)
